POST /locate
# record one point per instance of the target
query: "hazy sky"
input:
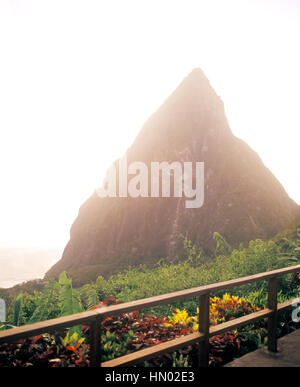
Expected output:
(79, 78)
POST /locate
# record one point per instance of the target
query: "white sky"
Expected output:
(79, 78)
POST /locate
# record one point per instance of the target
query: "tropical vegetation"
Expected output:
(138, 330)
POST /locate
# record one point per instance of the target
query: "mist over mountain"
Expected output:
(242, 199)
(18, 265)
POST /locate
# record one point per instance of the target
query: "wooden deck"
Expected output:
(288, 354)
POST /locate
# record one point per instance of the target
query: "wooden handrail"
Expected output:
(93, 318)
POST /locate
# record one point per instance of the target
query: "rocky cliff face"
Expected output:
(243, 200)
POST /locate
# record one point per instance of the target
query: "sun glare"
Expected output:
(79, 79)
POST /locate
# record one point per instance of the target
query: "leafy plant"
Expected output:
(69, 299)
(113, 347)
(180, 317)
(180, 360)
(223, 247)
(46, 304)
(73, 340)
(17, 317)
(220, 310)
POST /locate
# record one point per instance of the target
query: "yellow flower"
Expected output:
(181, 317)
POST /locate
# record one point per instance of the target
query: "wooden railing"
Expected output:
(94, 318)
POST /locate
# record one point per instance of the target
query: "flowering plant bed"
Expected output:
(131, 332)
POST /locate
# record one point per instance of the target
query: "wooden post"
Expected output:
(204, 329)
(95, 343)
(272, 320)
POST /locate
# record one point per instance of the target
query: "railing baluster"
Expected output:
(203, 319)
(272, 320)
(95, 343)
